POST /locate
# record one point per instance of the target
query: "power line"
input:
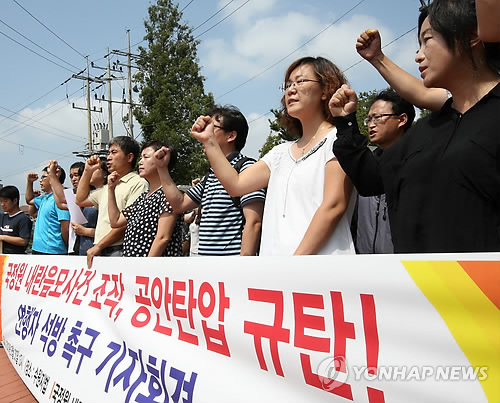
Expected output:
(213, 15)
(12, 173)
(48, 29)
(45, 50)
(36, 53)
(32, 118)
(204, 22)
(383, 47)
(38, 128)
(31, 103)
(31, 148)
(291, 53)
(33, 121)
(186, 6)
(259, 117)
(350, 67)
(225, 18)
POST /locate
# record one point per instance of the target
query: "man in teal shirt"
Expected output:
(52, 224)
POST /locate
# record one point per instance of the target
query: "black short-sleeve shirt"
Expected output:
(18, 225)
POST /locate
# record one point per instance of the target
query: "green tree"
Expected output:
(281, 135)
(170, 88)
(365, 99)
(423, 113)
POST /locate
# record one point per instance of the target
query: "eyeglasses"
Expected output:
(298, 83)
(377, 118)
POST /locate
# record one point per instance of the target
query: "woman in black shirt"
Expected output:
(442, 179)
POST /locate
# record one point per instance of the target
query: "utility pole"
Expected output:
(110, 104)
(89, 119)
(109, 79)
(129, 65)
(88, 79)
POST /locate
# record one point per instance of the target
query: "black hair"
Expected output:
(104, 167)
(232, 120)
(330, 78)
(157, 144)
(80, 165)
(62, 176)
(10, 192)
(399, 105)
(127, 145)
(456, 21)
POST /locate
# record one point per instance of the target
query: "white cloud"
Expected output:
(257, 47)
(222, 63)
(271, 36)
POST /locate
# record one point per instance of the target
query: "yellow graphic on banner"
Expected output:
(470, 314)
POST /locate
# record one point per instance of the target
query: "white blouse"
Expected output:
(294, 193)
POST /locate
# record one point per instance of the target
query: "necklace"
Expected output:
(304, 148)
(320, 131)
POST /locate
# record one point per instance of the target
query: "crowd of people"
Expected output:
(429, 186)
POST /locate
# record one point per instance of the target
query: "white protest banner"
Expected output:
(388, 328)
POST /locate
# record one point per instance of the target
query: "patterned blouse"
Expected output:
(142, 224)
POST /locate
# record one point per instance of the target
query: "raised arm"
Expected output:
(350, 148)
(32, 177)
(488, 20)
(253, 178)
(180, 202)
(83, 190)
(53, 172)
(116, 219)
(406, 85)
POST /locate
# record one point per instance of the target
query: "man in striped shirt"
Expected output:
(228, 226)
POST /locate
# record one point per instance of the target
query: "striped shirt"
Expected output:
(221, 221)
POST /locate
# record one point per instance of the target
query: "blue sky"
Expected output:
(243, 59)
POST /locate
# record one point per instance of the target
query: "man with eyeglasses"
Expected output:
(388, 119)
(52, 224)
(228, 226)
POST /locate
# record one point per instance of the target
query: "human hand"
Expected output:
(77, 228)
(53, 168)
(369, 45)
(195, 181)
(162, 158)
(94, 251)
(343, 102)
(203, 129)
(32, 177)
(92, 164)
(113, 180)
